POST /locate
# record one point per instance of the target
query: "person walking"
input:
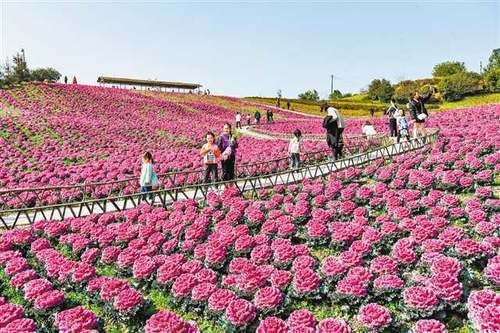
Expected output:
(418, 111)
(372, 111)
(390, 112)
(148, 177)
(227, 145)
(271, 116)
(248, 120)
(257, 117)
(65, 79)
(268, 116)
(238, 120)
(294, 149)
(74, 80)
(334, 125)
(210, 153)
(288, 105)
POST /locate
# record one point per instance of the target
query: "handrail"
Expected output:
(10, 217)
(109, 182)
(29, 197)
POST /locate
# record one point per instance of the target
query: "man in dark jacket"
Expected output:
(333, 136)
(257, 117)
(418, 111)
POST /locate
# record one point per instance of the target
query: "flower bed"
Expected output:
(408, 245)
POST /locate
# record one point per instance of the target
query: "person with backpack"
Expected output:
(418, 111)
(294, 149)
(390, 112)
(148, 177)
(257, 117)
(334, 125)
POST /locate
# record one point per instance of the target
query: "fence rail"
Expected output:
(11, 218)
(50, 195)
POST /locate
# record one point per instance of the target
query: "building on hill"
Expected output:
(120, 82)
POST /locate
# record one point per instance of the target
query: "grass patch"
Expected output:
(73, 161)
(162, 301)
(54, 135)
(470, 101)
(9, 112)
(321, 252)
(359, 105)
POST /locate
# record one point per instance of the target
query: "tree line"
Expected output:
(451, 79)
(17, 71)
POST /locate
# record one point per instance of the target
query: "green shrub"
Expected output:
(380, 90)
(404, 89)
(492, 80)
(310, 95)
(456, 86)
(448, 68)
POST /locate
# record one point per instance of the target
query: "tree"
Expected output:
(448, 68)
(45, 74)
(404, 89)
(336, 94)
(310, 95)
(381, 90)
(20, 69)
(16, 72)
(491, 74)
(492, 79)
(455, 87)
(494, 61)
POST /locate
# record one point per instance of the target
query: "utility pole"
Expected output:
(480, 67)
(331, 84)
(24, 56)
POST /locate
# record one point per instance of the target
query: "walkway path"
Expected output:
(164, 197)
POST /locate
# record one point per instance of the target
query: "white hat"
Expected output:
(331, 111)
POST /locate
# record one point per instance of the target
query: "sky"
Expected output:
(252, 48)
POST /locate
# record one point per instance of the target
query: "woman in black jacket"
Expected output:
(333, 133)
(418, 111)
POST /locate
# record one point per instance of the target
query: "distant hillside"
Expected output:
(359, 105)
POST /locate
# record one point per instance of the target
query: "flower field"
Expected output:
(54, 134)
(409, 245)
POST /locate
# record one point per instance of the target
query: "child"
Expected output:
(368, 129)
(403, 126)
(294, 149)
(248, 120)
(210, 152)
(238, 120)
(148, 176)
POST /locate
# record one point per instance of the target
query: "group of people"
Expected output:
(257, 116)
(278, 103)
(399, 125)
(66, 80)
(223, 148)
(216, 149)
